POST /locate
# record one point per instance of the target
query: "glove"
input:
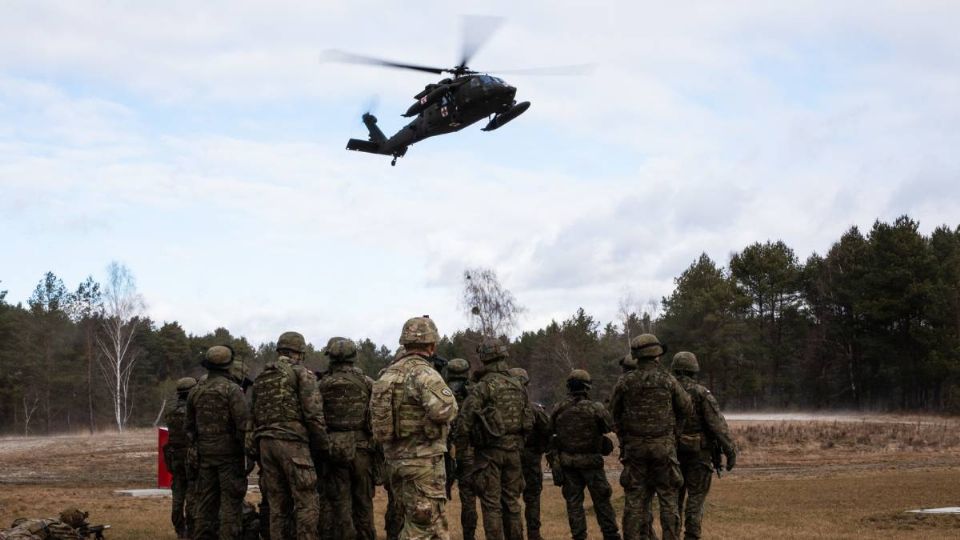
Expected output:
(731, 458)
(251, 463)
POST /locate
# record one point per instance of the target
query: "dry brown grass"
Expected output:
(795, 480)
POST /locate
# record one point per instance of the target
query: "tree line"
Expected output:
(872, 324)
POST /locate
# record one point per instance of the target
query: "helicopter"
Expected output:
(453, 103)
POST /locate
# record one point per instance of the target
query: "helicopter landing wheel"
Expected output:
(393, 163)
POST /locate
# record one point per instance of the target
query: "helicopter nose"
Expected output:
(507, 91)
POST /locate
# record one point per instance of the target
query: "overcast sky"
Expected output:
(202, 144)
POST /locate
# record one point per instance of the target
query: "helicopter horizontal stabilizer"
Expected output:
(363, 146)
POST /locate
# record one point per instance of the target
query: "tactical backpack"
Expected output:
(393, 414)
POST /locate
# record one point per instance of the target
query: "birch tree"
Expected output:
(492, 309)
(122, 310)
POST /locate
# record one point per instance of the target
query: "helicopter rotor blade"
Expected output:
(569, 70)
(350, 58)
(477, 29)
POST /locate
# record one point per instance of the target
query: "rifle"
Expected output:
(716, 453)
(94, 531)
(553, 460)
(450, 465)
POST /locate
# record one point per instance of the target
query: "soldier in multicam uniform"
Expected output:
(579, 426)
(289, 430)
(649, 408)
(66, 527)
(458, 378)
(346, 403)
(217, 425)
(705, 427)
(531, 460)
(497, 417)
(411, 409)
(175, 458)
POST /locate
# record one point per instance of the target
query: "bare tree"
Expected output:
(122, 307)
(492, 309)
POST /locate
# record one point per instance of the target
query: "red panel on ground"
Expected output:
(164, 478)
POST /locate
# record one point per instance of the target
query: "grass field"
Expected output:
(797, 478)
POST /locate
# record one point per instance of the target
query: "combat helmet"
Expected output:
(521, 374)
(647, 346)
(580, 375)
(292, 341)
(628, 362)
(218, 357)
(73, 517)
(419, 331)
(491, 349)
(686, 361)
(185, 384)
(340, 349)
(458, 368)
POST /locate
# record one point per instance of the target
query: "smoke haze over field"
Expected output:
(202, 145)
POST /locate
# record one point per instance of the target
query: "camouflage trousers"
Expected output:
(575, 481)
(290, 481)
(468, 500)
(419, 487)
(650, 467)
(498, 481)
(219, 506)
(183, 493)
(697, 472)
(40, 529)
(350, 491)
(532, 465)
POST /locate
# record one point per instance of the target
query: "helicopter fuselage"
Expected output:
(446, 107)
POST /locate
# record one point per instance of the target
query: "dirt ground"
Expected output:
(796, 478)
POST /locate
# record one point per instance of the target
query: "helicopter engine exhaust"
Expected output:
(504, 117)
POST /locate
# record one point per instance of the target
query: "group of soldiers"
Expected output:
(322, 443)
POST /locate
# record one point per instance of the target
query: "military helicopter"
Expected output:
(451, 104)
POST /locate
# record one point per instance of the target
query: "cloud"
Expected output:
(203, 146)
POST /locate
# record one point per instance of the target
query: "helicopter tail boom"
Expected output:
(375, 145)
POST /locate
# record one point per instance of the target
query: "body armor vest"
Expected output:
(508, 399)
(212, 410)
(577, 428)
(275, 394)
(647, 404)
(176, 425)
(394, 414)
(345, 400)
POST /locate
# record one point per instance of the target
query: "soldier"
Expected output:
(627, 364)
(67, 527)
(411, 409)
(346, 402)
(175, 458)
(393, 518)
(217, 424)
(458, 378)
(649, 407)
(579, 426)
(497, 417)
(531, 460)
(701, 431)
(289, 431)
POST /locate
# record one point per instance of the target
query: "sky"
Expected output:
(202, 145)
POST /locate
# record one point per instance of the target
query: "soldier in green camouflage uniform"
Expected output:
(289, 430)
(458, 378)
(579, 426)
(497, 417)
(66, 527)
(649, 407)
(531, 460)
(217, 424)
(411, 409)
(175, 457)
(702, 429)
(346, 402)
